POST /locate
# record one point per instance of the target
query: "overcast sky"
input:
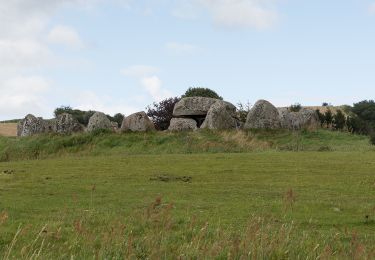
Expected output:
(121, 55)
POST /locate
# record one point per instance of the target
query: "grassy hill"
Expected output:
(264, 194)
(98, 143)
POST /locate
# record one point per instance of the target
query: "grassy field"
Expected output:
(144, 198)
(8, 129)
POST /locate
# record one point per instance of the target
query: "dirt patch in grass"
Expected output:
(8, 129)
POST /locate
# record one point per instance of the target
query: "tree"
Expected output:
(321, 117)
(161, 113)
(328, 118)
(365, 110)
(201, 92)
(339, 120)
(118, 118)
(295, 107)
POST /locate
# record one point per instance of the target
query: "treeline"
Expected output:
(83, 117)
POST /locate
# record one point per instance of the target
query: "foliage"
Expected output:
(83, 117)
(295, 107)
(243, 110)
(328, 118)
(365, 110)
(201, 92)
(356, 125)
(161, 113)
(325, 104)
(321, 117)
(372, 138)
(118, 118)
(339, 120)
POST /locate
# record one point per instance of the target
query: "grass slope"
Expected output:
(47, 146)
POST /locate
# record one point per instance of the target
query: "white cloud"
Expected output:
(23, 95)
(182, 48)
(148, 80)
(103, 103)
(139, 71)
(372, 8)
(66, 36)
(153, 86)
(259, 14)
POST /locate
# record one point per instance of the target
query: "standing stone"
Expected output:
(99, 121)
(221, 116)
(263, 115)
(30, 125)
(182, 124)
(66, 124)
(137, 122)
(304, 119)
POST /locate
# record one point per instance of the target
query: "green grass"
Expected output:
(99, 143)
(259, 200)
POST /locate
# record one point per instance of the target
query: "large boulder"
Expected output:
(31, 125)
(221, 115)
(137, 122)
(263, 115)
(195, 106)
(99, 121)
(304, 119)
(66, 124)
(182, 124)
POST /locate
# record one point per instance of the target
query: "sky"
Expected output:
(119, 56)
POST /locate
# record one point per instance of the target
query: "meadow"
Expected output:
(224, 195)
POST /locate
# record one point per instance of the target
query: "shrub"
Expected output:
(81, 116)
(372, 137)
(321, 117)
(339, 120)
(118, 118)
(328, 118)
(161, 113)
(201, 92)
(357, 125)
(295, 107)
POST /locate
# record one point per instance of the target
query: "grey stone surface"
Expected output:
(263, 115)
(137, 122)
(221, 115)
(99, 121)
(31, 125)
(196, 106)
(182, 124)
(66, 124)
(304, 119)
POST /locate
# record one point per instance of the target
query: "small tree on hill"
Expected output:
(201, 92)
(339, 120)
(295, 107)
(321, 117)
(161, 113)
(328, 118)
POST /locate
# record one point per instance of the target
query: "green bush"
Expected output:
(201, 92)
(295, 107)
